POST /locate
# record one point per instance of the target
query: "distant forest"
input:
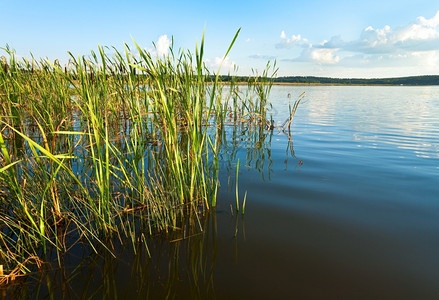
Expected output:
(412, 80)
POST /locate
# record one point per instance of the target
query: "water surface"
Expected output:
(356, 212)
(345, 207)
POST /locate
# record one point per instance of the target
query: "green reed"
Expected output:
(112, 146)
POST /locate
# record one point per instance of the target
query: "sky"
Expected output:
(341, 39)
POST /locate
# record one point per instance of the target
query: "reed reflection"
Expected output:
(161, 267)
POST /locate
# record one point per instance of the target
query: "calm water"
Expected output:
(359, 218)
(348, 208)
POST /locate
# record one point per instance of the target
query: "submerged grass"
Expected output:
(112, 147)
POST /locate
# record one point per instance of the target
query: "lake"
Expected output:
(345, 207)
(356, 213)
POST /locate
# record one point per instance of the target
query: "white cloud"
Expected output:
(225, 63)
(433, 22)
(416, 32)
(294, 40)
(264, 57)
(282, 35)
(321, 56)
(162, 45)
(248, 40)
(334, 42)
(427, 58)
(422, 35)
(323, 53)
(324, 56)
(375, 37)
(403, 48)
(390, 64)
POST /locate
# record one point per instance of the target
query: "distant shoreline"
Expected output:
(424, 80)
(339, 84)
(395, 81)
(332, 84)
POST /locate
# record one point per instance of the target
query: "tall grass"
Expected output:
(118, 146)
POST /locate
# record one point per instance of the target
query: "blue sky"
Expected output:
(318, 38)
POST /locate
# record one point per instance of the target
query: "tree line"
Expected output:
(411, 80)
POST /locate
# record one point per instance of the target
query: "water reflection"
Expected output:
(402, 117)
(251, 142)
(161, 267)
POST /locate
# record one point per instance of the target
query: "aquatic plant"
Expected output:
(112, 147)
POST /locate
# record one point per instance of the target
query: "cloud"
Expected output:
(294, 40)
(225, 63)
(373, 41)
(423, 29)
(424, 62)
(160, 49)
(322, 56)
(264, 57)
(427, 58)
(334, 42)
(323, 53)
(248, 40)
(416, 44)
(422, 35)
(162, 45)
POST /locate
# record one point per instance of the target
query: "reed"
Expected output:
(121, 146)
(286, 126)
